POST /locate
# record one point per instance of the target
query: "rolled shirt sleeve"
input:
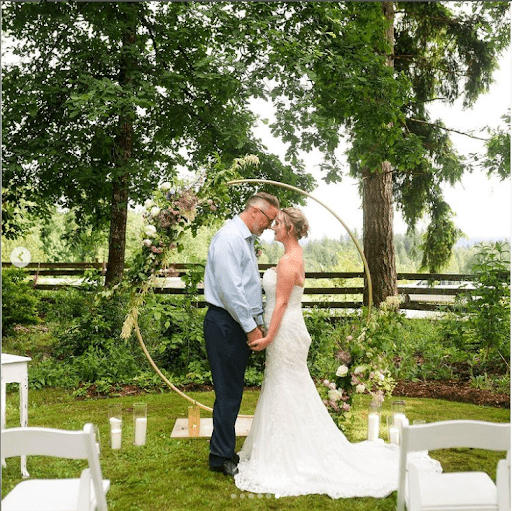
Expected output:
(232, 279)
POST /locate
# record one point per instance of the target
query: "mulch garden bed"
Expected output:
(451, 390)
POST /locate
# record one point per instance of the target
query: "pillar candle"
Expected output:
(373, 426)
(394, 435)
(115, 423)
(115, 438)
(141, 424)
(399, 419)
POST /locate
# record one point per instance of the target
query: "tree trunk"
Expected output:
(123, 154)
(117, 239)
(379, 248)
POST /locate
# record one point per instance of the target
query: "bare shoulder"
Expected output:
(290, 261)
(289, 265)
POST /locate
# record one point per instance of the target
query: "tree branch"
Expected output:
(448, 129)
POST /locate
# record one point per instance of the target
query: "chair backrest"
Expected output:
(449, 434)
(57, 443)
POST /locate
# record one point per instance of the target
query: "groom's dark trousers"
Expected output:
(228, 354)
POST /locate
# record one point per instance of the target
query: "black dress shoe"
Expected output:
(228, 468)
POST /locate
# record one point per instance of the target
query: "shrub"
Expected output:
(480, 326)
(489, 311)
(19, 302)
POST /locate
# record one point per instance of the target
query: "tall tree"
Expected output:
(107, 99)
(355, 69)
(377, 191)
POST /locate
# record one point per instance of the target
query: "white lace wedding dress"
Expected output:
(294, 447)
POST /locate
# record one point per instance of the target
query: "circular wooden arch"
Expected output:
(282, 185)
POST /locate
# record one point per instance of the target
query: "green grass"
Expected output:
(172, 474)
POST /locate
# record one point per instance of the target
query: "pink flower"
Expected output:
(354, 380)
(346, 407)
(334, 406)
(343, 356)
(379, 396)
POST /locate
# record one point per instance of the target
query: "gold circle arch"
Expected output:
(282, 185)
(354, 239)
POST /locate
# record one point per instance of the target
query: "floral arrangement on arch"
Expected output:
(176, 207)
(364, 353)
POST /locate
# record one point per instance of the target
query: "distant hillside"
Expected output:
(469, 242)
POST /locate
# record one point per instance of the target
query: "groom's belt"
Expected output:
(215, 307)
(221, 309)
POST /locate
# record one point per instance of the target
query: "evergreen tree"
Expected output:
(369, 70)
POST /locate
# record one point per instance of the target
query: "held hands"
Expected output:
(256, 341)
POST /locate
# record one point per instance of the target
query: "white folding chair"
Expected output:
(458, 491)
(84, 494)
(503, 483)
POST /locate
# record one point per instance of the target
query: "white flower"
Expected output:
(150, 230)
(166, 186)
(148, 203)
(393, 301)
(334, 395)
(251, 158)
(155, 211)
(342, 370)
(147, 242)
(360, 388)
(380, 376)
(359, 370)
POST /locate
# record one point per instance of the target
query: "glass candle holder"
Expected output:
(393, 430)
(140, 423)
(373, 420)
(398, 413)
(115, 417)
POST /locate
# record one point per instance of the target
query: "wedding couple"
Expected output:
(294, 447)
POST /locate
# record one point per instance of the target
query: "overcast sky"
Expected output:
(481, 204)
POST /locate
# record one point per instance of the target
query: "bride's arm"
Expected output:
(286, 277)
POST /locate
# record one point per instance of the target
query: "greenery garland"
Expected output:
(174, 209)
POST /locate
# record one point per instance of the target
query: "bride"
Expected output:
(294, 447)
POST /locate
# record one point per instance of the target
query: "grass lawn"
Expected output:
(172, 474)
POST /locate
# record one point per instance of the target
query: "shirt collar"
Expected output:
(244, 230)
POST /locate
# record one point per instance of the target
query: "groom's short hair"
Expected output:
(260, 198)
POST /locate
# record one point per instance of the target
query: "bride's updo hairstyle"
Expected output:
(295, 222)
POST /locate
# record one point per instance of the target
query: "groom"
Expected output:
(234, 318)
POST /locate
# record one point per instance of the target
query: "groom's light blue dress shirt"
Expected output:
(231, 277)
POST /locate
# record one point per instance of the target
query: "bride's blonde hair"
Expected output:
(295, 222)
